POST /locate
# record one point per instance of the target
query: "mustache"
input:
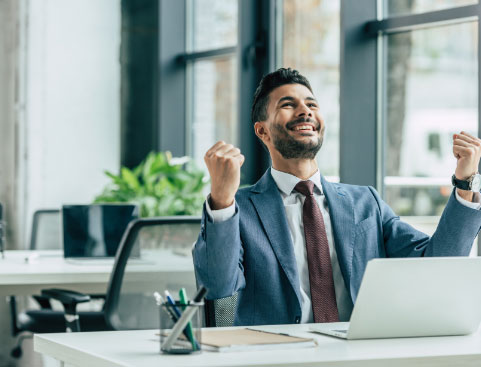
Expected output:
(293, 123)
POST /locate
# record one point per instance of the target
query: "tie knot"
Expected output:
(306, 188)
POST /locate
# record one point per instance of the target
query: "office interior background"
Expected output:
(88, 86)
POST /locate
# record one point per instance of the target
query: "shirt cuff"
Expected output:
(220, 215)
(475, 204)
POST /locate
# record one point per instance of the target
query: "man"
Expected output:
(295, 246)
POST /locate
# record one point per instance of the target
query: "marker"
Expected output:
(184, 301)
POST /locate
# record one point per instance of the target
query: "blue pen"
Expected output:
(172, 303)
(160, 301)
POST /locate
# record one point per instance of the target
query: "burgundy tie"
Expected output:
(323, 295)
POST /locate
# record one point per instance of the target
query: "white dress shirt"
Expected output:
(293, 203)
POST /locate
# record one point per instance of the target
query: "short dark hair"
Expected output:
(270, 82)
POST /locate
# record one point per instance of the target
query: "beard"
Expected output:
(289, 147)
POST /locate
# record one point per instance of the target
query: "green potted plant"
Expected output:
(160, 185)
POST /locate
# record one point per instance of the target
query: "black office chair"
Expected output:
(45, 235)
(129, 303)
(220, 312)
(46, 230)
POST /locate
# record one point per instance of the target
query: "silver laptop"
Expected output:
(412, 298)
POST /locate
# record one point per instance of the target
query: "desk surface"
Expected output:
(50, 269)
(141, 348)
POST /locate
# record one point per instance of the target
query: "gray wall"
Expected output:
(9, 40)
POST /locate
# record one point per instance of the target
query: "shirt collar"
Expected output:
(286, 182)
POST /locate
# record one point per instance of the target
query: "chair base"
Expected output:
(48, 321)
(17, 351)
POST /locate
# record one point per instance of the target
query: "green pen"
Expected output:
(184, 301)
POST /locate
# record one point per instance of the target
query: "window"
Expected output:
(409, 81)
(214, 24)
(310, 44)
(424, 61)
(431, 93)
(214, 105)
(212, 75)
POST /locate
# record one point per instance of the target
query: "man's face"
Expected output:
(294, 126)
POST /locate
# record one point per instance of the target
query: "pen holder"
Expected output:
(189, 340)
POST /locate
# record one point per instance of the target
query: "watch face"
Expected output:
(476, 183)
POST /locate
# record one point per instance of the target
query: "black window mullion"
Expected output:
(172, 76)
(429, 19)
(208, 54)
(358, 94)
(255, 58)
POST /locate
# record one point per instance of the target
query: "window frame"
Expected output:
(362, 31)
(255, 53)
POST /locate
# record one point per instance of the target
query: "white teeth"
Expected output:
(297, 128)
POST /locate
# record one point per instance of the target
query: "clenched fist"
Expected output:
(467, 150)
(224, 162)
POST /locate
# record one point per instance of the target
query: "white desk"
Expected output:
(49, 269)
(141, 349)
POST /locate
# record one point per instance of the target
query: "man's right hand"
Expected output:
(223, 162)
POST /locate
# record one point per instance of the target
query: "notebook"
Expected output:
(250, 339)
(414, 297)
(95, 231)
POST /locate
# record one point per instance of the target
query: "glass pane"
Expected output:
(432, 93)
(404, 7)
(316, 55)
(214, 24)
(214, 115)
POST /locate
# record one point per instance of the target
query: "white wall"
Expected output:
(71, 128)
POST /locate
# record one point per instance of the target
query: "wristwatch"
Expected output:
(473, 183)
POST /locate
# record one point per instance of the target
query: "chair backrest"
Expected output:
(220, 312)
(129, 302)
(46, 230)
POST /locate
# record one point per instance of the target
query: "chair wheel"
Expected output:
(16, 352)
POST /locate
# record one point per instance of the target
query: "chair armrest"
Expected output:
(44, 302)
(69, 300)
(66, 296)
(97, 296)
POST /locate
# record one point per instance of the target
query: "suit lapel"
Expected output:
(341, 211)
(270, 208)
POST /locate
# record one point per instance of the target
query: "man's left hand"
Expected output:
(467, 150)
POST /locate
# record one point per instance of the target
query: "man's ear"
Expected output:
(260, 129)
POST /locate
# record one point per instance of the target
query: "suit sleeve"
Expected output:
(218, 256)
(454, 236)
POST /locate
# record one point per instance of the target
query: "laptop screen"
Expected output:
(95, 230)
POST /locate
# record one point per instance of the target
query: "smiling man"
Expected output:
(295, 246)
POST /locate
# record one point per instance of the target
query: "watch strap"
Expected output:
(461, 184)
